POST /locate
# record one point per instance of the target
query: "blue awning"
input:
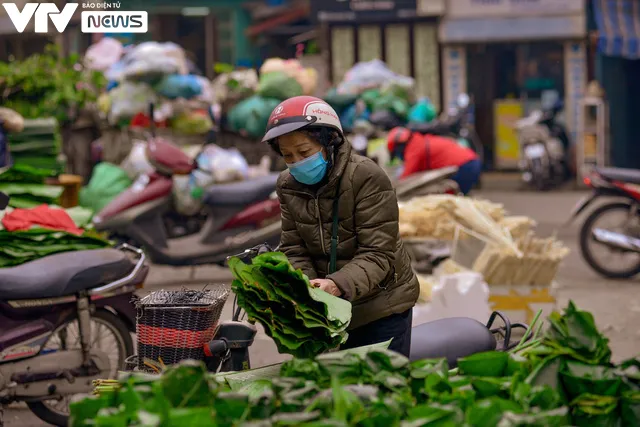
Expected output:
(618, 24)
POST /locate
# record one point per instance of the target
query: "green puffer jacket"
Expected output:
(373, 268)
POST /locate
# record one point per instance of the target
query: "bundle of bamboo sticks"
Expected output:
(438, 216)
(537, 265)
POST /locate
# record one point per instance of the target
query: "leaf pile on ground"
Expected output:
(302, 320)
(565, 378)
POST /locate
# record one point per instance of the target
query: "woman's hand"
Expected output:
(327, 285)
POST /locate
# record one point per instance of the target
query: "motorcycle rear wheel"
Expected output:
(537, 175)
(585, 237)
(44, 409)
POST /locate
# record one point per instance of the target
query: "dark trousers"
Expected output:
(468, 175)
(396, 327)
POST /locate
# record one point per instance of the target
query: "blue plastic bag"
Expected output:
(422, 112)
(350, 115)
(179, 86)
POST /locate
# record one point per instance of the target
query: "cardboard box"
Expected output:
(521, 303)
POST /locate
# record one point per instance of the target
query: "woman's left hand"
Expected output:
(327, 285)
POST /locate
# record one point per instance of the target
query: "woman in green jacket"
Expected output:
(340, 222)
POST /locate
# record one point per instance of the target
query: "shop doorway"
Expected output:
(491, 71)
(512, 79)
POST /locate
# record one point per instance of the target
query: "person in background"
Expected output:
(422, 153)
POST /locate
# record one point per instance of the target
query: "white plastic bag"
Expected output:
(183, 195)
(206, 95)
(371, 75)
(153, 59)
(104, 54)
(129, 99)
(247, 81)
(137, 163)
(224, 165)
(456, 295)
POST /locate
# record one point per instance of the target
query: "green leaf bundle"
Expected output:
(302, 320)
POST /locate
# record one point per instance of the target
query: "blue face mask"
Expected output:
(310, 170)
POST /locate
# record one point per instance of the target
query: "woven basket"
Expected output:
(170, 332)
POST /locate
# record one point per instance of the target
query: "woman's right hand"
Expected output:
(327, 285)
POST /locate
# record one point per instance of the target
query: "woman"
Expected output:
(427, 152)
(340, 222)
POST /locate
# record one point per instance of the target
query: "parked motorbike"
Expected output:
(234, 215)
(621, 239)
(455, 124)
(542, 144)
(56, 313)
(437, 181)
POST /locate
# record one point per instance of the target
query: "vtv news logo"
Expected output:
(42, 12)
(99, 21)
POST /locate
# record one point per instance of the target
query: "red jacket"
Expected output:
(428, 152)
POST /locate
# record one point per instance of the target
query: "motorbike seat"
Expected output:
(431, 128)
(630, 176)
(241, 193)
(451, 338)
(63, 274)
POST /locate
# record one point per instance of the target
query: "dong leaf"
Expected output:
(302, 320)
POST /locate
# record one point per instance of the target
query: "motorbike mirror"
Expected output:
(463, 100)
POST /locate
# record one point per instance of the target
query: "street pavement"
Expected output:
(615, 304)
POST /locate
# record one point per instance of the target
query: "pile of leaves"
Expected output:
(18, 247)
(302, 320)
(38, 146)
(564, 378)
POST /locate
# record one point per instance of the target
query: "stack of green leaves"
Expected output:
(34, 162)
(27, 196)
(38, 145)
(18, 247)
(302, 320)
(25, 174)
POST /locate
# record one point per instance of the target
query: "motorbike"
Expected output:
(233, 216)
(56, 312)
(543, 143)
(621, 240)
(436, 181)
(451, 338)
(455, 124)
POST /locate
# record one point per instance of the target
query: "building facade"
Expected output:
(402, 33)
(513, 56)
(616, 30)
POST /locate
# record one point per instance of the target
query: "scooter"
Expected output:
(623, 240)
(54, 312)
(234, 216)
(542, 144)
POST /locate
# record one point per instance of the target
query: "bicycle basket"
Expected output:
(174, 325)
